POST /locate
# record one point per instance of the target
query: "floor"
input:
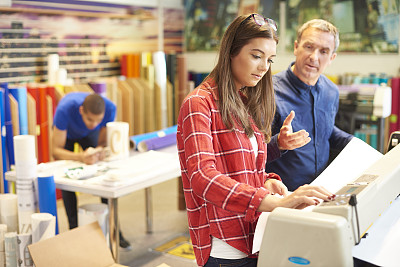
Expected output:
(169, 223)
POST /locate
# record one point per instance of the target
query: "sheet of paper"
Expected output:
(351, 162)
(259, 233)
(381, 246)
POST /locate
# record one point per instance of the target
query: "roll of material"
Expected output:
(160, 67)
(94, 212)
(99, 88)
(136, 139)
(27, 203)
(26, 173)
(61, 76)
(118, 139)
(25, 156)
(11, 245)
(47, 196)
(156, 143)
(26, 170)
(24, 257)
(43, 226)
(20, 94)
(53, 64)
(2, 258)
(3, 231)
(9, 211)
(8, 126)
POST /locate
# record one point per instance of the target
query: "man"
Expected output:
(302, 89)
(81, 118)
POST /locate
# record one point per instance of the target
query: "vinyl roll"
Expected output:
(160, 67)
(136, 139)
(43, 226)
(26, 173)
(11, 245)
(27, 203)
(9, 211)
(47, 196)
(24, 257)
(94, 212)
(20, 94)
(99, 88)
(26, 170)
(118, 139)
(3, 231)
(53, 64)
(61, 76)
(2, 258)
(156, 143)
(8, 126)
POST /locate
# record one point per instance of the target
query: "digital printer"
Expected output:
(326, 235)
(368, 99)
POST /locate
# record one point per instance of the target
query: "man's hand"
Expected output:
(90, 155)
(287, 140)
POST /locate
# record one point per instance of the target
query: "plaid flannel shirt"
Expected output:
(223, 181)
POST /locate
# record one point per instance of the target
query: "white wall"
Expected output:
(344, 63)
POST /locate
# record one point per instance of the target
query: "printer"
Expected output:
(326, 235)
(363, 108)
(368, 99)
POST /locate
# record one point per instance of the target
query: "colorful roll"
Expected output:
(43, 226)
(9, 211)
(8, 125)
(99, 88)
(3, 141)
(20, 94)
(136, 139)
(158, 142)
(47, 196)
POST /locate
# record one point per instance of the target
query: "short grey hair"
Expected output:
(322, 25)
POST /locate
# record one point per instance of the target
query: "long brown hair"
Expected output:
(261, 101)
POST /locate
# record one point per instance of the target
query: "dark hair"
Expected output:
(261, 99)
(94, 103)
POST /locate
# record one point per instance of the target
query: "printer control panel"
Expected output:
(343, 195)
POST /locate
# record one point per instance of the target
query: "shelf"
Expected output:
(143, 16)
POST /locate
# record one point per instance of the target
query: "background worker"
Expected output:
(81, 118)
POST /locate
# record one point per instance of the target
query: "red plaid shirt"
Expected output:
(222, 179)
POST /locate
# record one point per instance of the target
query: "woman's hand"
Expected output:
(304, 196)
(276, 187)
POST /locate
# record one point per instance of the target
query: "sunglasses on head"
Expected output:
(260, 21)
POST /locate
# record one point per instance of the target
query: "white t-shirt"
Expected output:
(220, 249)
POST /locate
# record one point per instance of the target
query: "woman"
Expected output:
(223, 128)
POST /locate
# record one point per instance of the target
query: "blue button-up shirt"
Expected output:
(315, 109)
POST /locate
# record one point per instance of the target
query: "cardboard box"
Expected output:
(80, 247)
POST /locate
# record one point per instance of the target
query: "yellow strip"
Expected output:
(185, 251)
(172, 243)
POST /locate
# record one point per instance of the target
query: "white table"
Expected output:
(139, 171)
